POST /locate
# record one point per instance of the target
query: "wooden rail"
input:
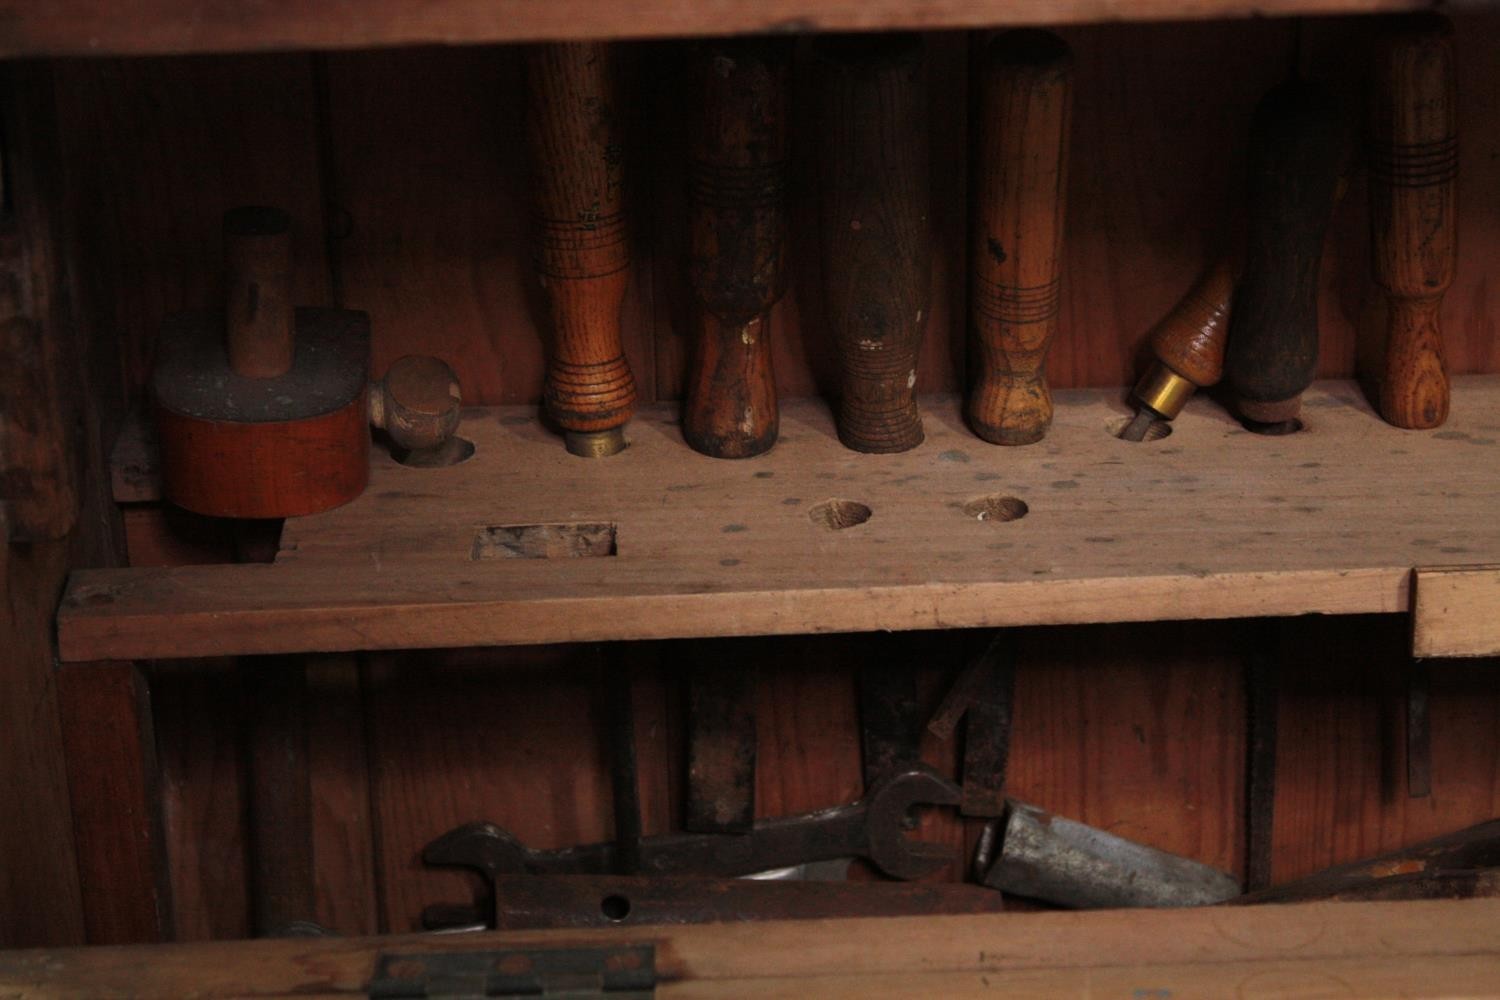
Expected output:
(1417, 949)
(157, 27)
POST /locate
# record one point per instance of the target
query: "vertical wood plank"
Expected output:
(343, 846)
(113, 781)
(196, 705)
(1341, 785)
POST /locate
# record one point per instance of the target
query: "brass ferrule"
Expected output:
(595, 444)
(1163, 390)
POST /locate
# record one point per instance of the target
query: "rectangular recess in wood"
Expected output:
(1209, 522)
(543, 541)
(1456, 611)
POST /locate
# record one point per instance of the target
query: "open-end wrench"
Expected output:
(873, 828)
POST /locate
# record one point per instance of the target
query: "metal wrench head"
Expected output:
(889, 803)
(484, 847)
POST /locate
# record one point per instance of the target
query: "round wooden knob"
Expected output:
(418, 403)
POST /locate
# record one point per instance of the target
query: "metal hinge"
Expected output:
(615, 973)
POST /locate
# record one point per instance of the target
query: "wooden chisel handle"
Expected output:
(1298, 144)
(1413, 210)
(581, 244)
(1025, 106)
(877, 260)
(737, 192)
(259, 328)
(1189, 343)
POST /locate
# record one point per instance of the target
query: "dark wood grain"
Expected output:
(1020, 187)
(737, 191)
(875, 228)
(115, 785)
(1299, 146)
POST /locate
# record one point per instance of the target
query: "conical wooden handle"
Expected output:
(1025, 107)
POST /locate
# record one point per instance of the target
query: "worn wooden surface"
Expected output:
(1408, 949)
(1456, 611)
(89, 27)
(1281, 526)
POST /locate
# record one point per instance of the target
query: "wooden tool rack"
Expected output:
(1347, 517)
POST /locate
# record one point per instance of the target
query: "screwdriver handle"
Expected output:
(1298, 144)
(1189, 343)
(1025, 105)
(259, 324)
(877, 260)
(582, 249)
(1413, 211)
(737, 194)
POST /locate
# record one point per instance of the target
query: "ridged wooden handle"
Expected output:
(581, 244)
(1414, 211)
(737, 192)
(260, 332)
(1025, 107)
(1298, 144)
(873, 188)
(1191, 339)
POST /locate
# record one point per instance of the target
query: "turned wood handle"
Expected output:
(873, 189)
(260, 330)
(1189, 344)
(737, 192)
(418, 403)
(1190, 340)
(581, 244)
(1025, 105)
(1413, 210)
(1298, 144)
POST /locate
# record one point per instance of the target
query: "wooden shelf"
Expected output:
(1210, 522)
(1409, 949)
(157, 27)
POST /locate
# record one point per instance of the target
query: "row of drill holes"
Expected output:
(835, 515)
(1161, 428)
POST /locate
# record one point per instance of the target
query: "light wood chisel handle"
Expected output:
(1025, 105)
(581, 243)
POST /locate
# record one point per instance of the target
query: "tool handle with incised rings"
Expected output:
(1025, 107)
(582, 248)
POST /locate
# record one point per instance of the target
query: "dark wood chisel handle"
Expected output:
(737, 192)
(1298, 147)
(877, 261)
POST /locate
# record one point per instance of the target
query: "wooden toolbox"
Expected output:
(1269, 654)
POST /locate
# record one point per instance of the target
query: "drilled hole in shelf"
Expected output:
(1280, 428)
(836, 515)
(615, 907)
(1158, 429)
(996, 508)
(451, 452)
